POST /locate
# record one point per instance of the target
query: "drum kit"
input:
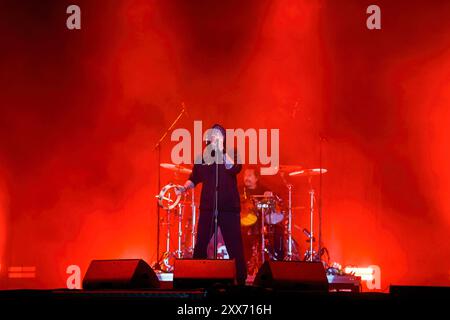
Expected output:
(265, 218)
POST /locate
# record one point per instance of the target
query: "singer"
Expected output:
(219, 195)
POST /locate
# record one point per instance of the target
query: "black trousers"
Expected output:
(230, 226)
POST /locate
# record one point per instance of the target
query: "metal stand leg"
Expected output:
(194, 221)
(311, 225)
(164, 262)
(180, 231)
(289, 253)
(168, 232)
(263, 245)
(310, 254)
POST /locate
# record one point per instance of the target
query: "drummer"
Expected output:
(252, 186)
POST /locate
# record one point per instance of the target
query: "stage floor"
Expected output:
(224, 302)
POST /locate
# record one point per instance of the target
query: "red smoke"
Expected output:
(82, 110)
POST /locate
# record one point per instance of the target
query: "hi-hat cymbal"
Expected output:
(176, 167)
(308, 172)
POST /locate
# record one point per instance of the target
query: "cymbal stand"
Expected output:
(311, 220)
(289, 232)
(263, 244)
(179, 252)
(194, 219)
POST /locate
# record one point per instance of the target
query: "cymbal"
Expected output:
(308, 172)
(176, 167)
(289, 168)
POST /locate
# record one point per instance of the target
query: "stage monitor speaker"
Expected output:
(196, 273)
(120, 274)
(292, 275)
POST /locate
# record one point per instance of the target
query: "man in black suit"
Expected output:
(223, 174)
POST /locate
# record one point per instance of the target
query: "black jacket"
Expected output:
(228, 195)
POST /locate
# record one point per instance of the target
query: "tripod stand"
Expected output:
(310, 255)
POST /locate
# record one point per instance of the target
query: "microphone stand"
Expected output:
(158, 146)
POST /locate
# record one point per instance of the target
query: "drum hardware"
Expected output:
(169, 199)
(308, 235)
(194, 222)
(309, 173)
(165, 262)
(311, 257)
(269, 254)
(270, 248)
(264, 208)
(263, 244)
(191, 224)
(262, 205)
(180, 230)
(274, 215)
(311, 220)
(289, 255)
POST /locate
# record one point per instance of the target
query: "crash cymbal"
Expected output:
(176, 167)
(308, 172)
